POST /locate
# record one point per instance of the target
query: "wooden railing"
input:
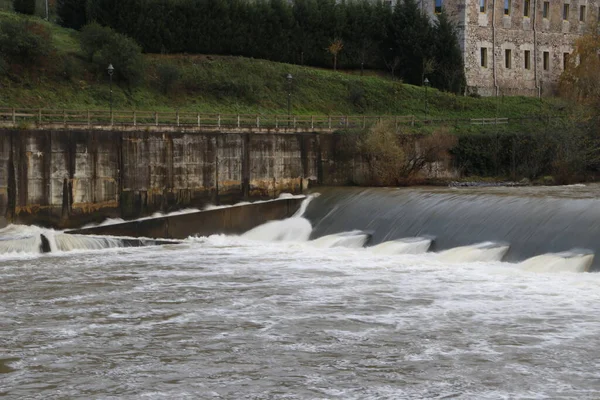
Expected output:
(103, 118)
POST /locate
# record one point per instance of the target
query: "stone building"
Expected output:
(517, 46)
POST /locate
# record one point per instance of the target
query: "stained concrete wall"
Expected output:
(66, 178)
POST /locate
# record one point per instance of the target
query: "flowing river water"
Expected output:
(291, 311)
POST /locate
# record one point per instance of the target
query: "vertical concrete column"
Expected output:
(246, 166)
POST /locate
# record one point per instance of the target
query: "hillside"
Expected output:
(204, 83)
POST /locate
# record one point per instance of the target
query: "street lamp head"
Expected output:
(110, 69)
(426, 82)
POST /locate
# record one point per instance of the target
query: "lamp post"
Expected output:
(110, 71)
(426, 84)
(289, 98)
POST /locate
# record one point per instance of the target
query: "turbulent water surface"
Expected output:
(271, 315)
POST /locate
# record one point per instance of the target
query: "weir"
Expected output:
(512, 224)
(234, 219)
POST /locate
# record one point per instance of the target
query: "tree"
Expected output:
(24, 6)
(334, 48)
(24, 42)
(410, 38)
(581, 79)
(449, 73)
(71, 13)
(103, 46)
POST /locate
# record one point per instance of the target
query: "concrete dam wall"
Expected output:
(66, 178)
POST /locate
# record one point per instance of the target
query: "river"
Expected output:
(272, 316)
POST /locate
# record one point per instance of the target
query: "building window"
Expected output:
(565, 61)
(566, 11)
(508, 58)
(507, 7)
(546, 61)
(438, 6)
(484, 60)
(526, 8)
(546, 10)
(482, 5)
(582, 13)
(527, 57)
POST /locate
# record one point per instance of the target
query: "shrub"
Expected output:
(24, 42)
(71, 13)
(93, 37)
(103, 46)
(384, 154)
(24, 6)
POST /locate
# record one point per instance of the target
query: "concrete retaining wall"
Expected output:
(66, 178)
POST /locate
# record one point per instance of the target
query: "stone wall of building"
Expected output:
(508, 39)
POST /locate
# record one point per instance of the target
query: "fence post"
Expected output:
(412, 120)
(14, 116)
(219, 121)
(276, 122)
(238, 120)
(294, 125)
(329, 122)
(65, 117)
(134, 119)
(198, 120)
(258, 121)
(156, 117)
(177, 117)
(312, 122)
(89, 122)
(347, 121)
(40, 116)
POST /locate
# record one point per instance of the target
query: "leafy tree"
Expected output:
(24, 6)
(581, 79)
(410, 39)
(71, 13)
(449, 72)
(24, 42)
(103, 46)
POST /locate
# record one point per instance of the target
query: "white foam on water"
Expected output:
(415, 245)
(66, 242)
(351, 239)
(290, 229)
(485, 251)
(21, 245)
(569, 261)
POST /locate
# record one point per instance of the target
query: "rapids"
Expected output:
(308, 307)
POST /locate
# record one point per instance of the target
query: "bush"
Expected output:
(93, 37)
(24, 6)
(71, 13)
(24, 42)
(103, 46)
(384, 154)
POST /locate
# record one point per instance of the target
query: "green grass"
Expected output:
(243, 85)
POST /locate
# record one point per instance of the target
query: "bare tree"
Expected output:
(334, 48)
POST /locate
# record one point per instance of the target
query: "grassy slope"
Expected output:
(242, 85)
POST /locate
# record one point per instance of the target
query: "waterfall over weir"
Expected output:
(512, 224)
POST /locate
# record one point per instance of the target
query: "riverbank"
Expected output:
(205, 83)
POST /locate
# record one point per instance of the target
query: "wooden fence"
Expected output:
(118, 118)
